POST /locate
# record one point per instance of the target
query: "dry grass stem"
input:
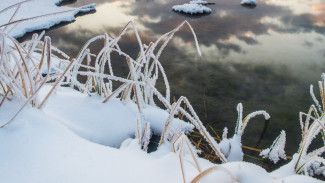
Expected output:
(212, 169)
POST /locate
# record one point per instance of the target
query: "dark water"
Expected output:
(265, 57)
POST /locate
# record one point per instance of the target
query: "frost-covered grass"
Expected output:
(56, 127)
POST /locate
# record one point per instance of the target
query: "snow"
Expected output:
(199, 2)
(276, 151)
(249, 2)
(33, 8)
(192, 8)
(38, 148)
(109, 123)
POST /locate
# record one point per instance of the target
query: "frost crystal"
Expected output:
(276, 151)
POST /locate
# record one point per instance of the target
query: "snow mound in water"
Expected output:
(199, 2)
(192, 9)
(248, 2)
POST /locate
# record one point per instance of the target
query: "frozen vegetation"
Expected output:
(56, 128)
(192, 8)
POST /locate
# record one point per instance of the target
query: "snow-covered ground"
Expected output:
(107, 124)
(38, 146)
(76, 137)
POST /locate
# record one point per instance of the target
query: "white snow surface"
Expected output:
(39, 146)
(199, 2)
(192, 8)
(33, 8)
(107, 124)
(249, 2)
(231, 148)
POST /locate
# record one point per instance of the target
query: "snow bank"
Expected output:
(109, 123)
(34, 8)
(38, 148)
(248, 2)
(192, 8)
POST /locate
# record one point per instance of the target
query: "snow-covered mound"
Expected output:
(37, 148)
(248, 2)
(34, 9)
(199, 2)
(192, 9)
(109, 123)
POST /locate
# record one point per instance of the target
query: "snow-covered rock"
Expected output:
(248, 2)
(192, 9)
(199, 2)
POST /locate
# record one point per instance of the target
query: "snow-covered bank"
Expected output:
(108, 124)
(39, 148)
(47, 12)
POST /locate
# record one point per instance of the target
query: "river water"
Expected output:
(265, 57)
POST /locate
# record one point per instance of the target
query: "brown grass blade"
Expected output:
(4, 97)
(9, 7)
(42, 60)
(30, 98)
(40, 16)
(116, 92)
(181, 160)
(210, 170)
(13, 15)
